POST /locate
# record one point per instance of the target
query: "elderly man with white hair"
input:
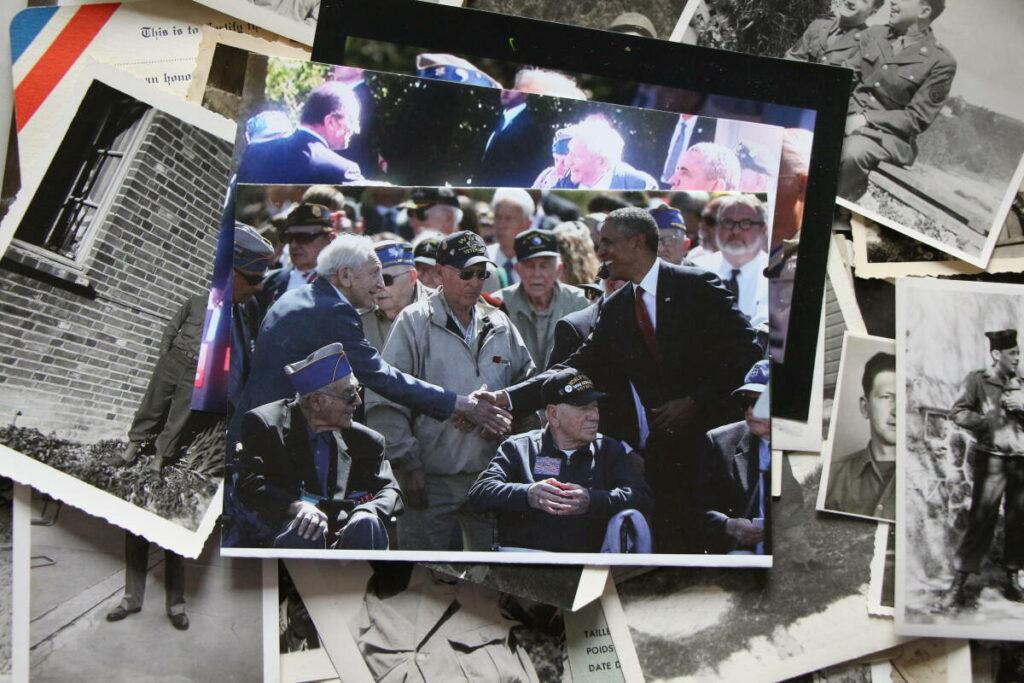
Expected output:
(513, 214)
(742, 254)
(595, 160)
(315, 315)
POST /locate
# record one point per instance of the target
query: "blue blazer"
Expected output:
(310, 317)
(297, 159)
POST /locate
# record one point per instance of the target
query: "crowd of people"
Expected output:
(336, 140)
(439, 369)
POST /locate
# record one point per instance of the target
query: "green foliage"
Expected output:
(600, 15)
(182, 495)
(760, 27)
(289, 81)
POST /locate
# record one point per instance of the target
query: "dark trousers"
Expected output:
(363, 532)
(136, 561)
(167, 404)
(860, 156)
(994, 476)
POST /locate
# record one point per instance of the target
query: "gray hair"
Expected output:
(548, 83)
(346, 251)
(743, 200)
(720, 163)
(517, 196)
(600, 137)
(445, 208)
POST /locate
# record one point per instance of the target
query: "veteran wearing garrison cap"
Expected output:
(308, 471)
(557, 488)
(904, 78)
(252, 256)
(991, 407)
(401, 288)
(673, 243)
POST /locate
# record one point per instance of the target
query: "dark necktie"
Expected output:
(643, 321)
(733, 284)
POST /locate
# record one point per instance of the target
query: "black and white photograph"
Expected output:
(960, 436)
(860, 457)
(6, 576)
(882, 591)
(88, 615)
(106, 283)
(647, 18)
(806, 614)
(882, 252)
(293, 19)
(415, 622)
(417, 478)
(299, 655)
(934, 139)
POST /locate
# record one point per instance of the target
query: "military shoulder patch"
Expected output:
(938, 93)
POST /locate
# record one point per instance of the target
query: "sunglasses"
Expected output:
(390, 279)
(300, 237)
(250, 278)
(470, 274)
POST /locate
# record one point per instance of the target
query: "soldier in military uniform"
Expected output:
(836, 41)
(904, 78)
(991, 407)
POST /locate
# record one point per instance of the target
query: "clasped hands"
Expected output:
(484, 409)
(558, 498)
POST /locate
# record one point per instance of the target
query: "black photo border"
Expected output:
(823, 89)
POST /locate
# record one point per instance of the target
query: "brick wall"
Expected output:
(78, 366)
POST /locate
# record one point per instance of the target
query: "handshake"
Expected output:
(485, 409)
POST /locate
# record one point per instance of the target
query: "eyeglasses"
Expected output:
(743, 225)
(390, 279)
(349, 397)
(470, 274)
(250, 278)
(300, 237)
(674, 238)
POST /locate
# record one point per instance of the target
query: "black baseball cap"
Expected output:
(569, 386)
(461, 250)
(310, 214)
(426, 251)
(426, 197)
(535, 242)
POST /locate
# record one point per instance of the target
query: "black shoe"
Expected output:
(957, 595)
(179, 621)
(1011, 589)
(120, 612)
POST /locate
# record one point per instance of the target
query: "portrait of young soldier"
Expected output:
(864, 482)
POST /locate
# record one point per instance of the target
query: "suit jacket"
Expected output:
(517, 154)
(624, 177)
(275, 283)
(728, 475)
(618, 412)
(900, 94)
(824, 42)
(705, 346)
(276, 467)
(313, 316)
(301, 158)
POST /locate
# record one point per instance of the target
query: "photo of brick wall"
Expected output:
(118, 237)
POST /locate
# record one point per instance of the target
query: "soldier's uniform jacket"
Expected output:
(825, 42)
(185, 330)
(979, 410)
(538, 330)
(900, 93)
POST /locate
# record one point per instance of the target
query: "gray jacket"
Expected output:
(425, 342)
(538, 331)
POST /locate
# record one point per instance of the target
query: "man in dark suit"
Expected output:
(677, 337)
(329, 119)
(690, 130)
(734, 485)
(307, 230)
(312, 475)
(312, 316)
(519, 148)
